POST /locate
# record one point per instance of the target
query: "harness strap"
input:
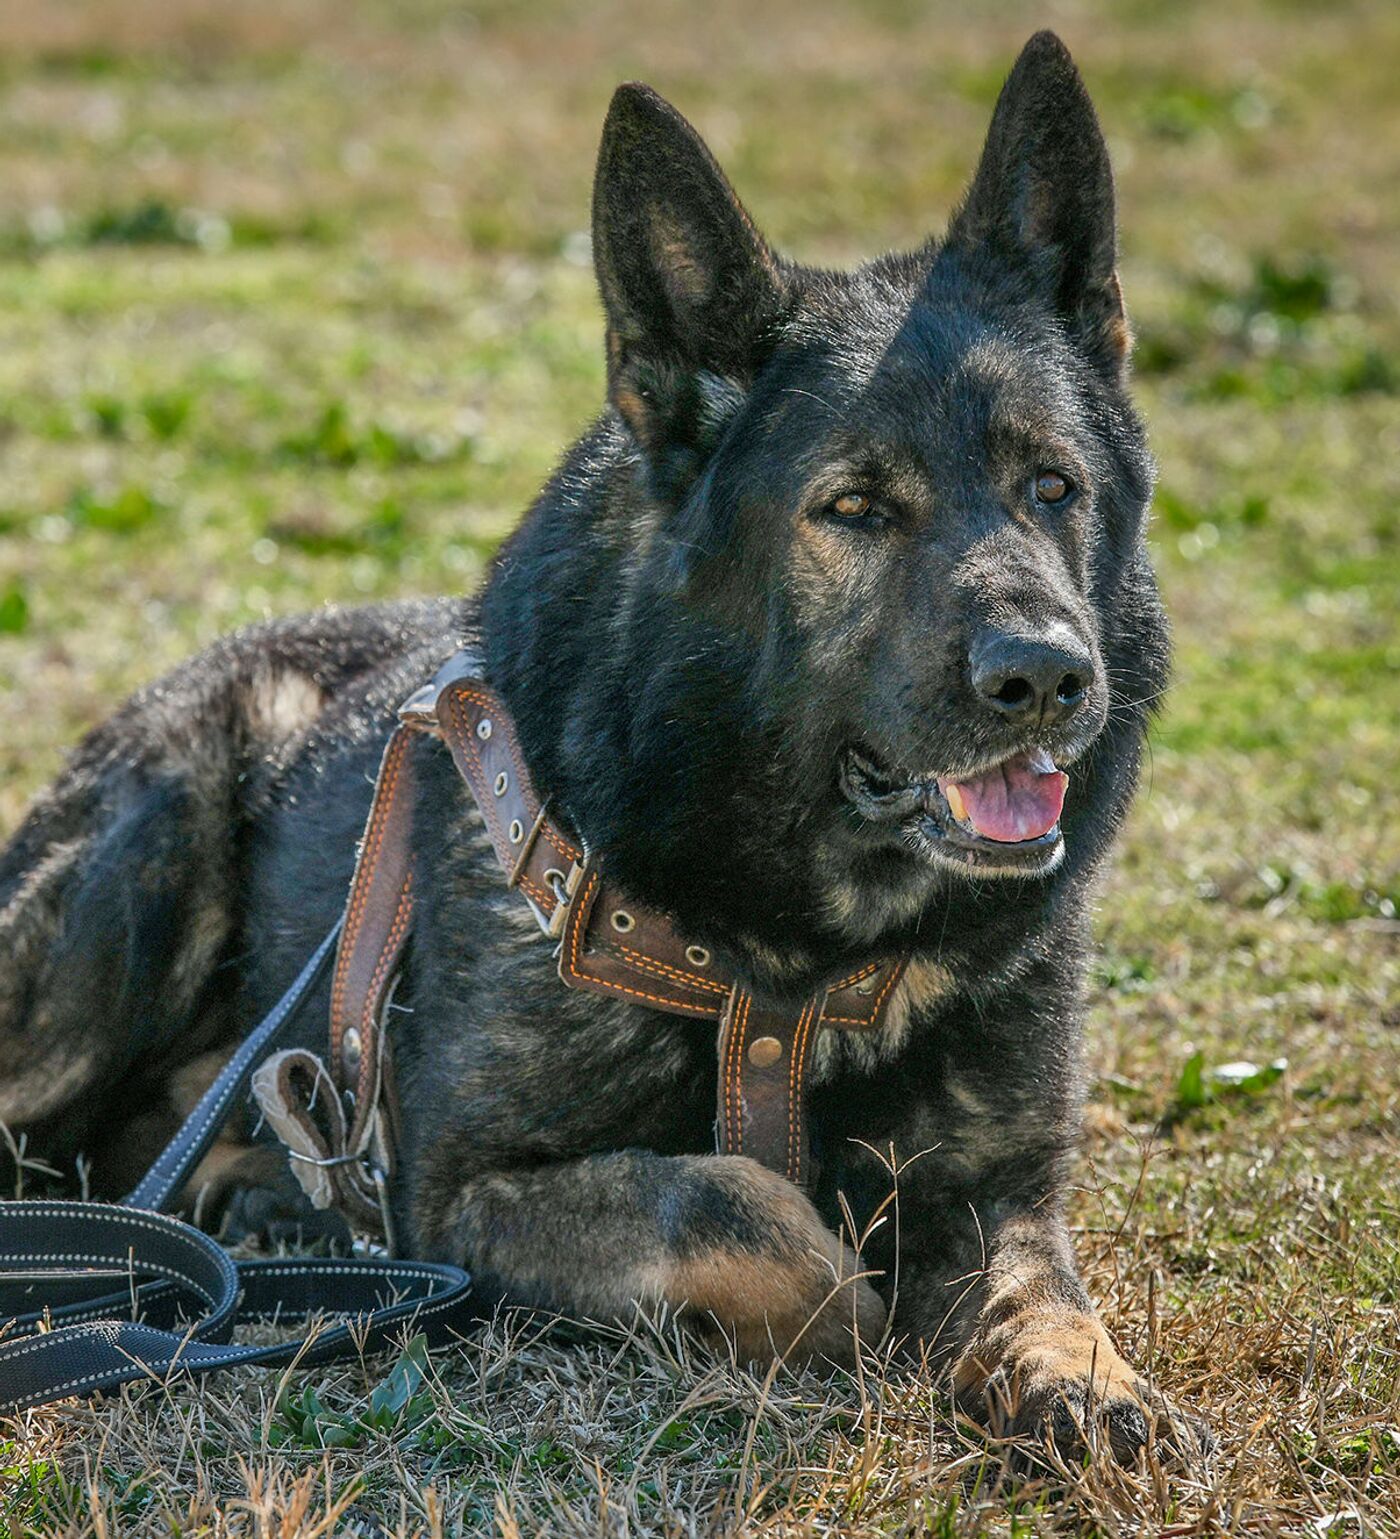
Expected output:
(69, 1271)
(537, 856)
(607, 944)
(765, 1052)
(613, 946)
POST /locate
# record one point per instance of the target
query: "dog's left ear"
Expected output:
(1043, 198)
(688, 284)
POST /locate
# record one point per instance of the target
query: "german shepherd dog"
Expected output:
(834, 637)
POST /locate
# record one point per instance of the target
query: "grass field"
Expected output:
(295, 308)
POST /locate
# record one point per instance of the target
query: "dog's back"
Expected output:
(123, 912)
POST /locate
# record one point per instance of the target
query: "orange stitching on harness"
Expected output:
(727, 1070)
(865, 972)
(466, 745)
(735, 1008)
(865, 1020)
(607, 983)
(726, 1060)
(740, 1039)
(813, 1026)
(465, 748)
(488, 703)
(359, 894)
(402, 915)
(798, 1037)
(579, 912)
(739, 1070)
(640, 960)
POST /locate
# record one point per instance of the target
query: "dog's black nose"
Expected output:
(1031, 680)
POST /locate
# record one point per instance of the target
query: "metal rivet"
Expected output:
(502, 783)
(350, 1046)
(865, 988)
(517, 831)
(483, 728)
(622, 922)
(764, 1052)
(697, 956)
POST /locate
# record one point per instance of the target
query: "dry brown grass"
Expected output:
(533, 1428)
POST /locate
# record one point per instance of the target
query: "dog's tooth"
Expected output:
(956, 805)
(1040, 761)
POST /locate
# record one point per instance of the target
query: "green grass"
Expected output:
(295, 308)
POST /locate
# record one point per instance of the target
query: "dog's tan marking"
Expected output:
(1117, 330)
(32, 1092)
(232, 1160)
(922, 984)
(282, 704)
(208, 930)
(1041, 1346)
(227, 1165)
(192, 1079)
(766, 1305)
(803, 1290)
(1032, 1344)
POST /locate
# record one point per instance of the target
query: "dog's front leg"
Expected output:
(740, 1249)
(1032, 1359)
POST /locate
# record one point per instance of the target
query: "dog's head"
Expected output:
(885, 526)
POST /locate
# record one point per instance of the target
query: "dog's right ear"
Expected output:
(688, 284)
(1043, 199)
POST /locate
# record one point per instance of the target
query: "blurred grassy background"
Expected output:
(295, 306)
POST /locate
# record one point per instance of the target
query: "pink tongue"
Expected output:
(1015, 800)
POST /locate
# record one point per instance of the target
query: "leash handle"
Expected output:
(170, 1269)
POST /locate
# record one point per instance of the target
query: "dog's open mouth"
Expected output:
(1005, 817)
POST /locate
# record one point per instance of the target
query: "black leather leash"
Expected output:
(93, 1294)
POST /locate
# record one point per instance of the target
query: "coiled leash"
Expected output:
(73, 1274)
(337, 1115)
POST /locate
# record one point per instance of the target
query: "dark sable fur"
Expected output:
(690, 642)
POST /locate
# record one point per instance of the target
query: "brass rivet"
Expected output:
(764, 1052)
(502, 783)
(483, 728)
(697, 956)
(622, 922)
(517, 831)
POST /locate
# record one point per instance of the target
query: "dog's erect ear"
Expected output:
(688, 284)
(1043, 196)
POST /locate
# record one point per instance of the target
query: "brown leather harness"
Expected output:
(338, 1115)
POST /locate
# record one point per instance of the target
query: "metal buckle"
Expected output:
(527, 845)
(419, 711)
(564, 887)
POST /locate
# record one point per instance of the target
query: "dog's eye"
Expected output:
(851, 505)
(1052, 488)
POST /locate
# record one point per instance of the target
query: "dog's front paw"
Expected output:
(1076, 1418)
(1075, 1395)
